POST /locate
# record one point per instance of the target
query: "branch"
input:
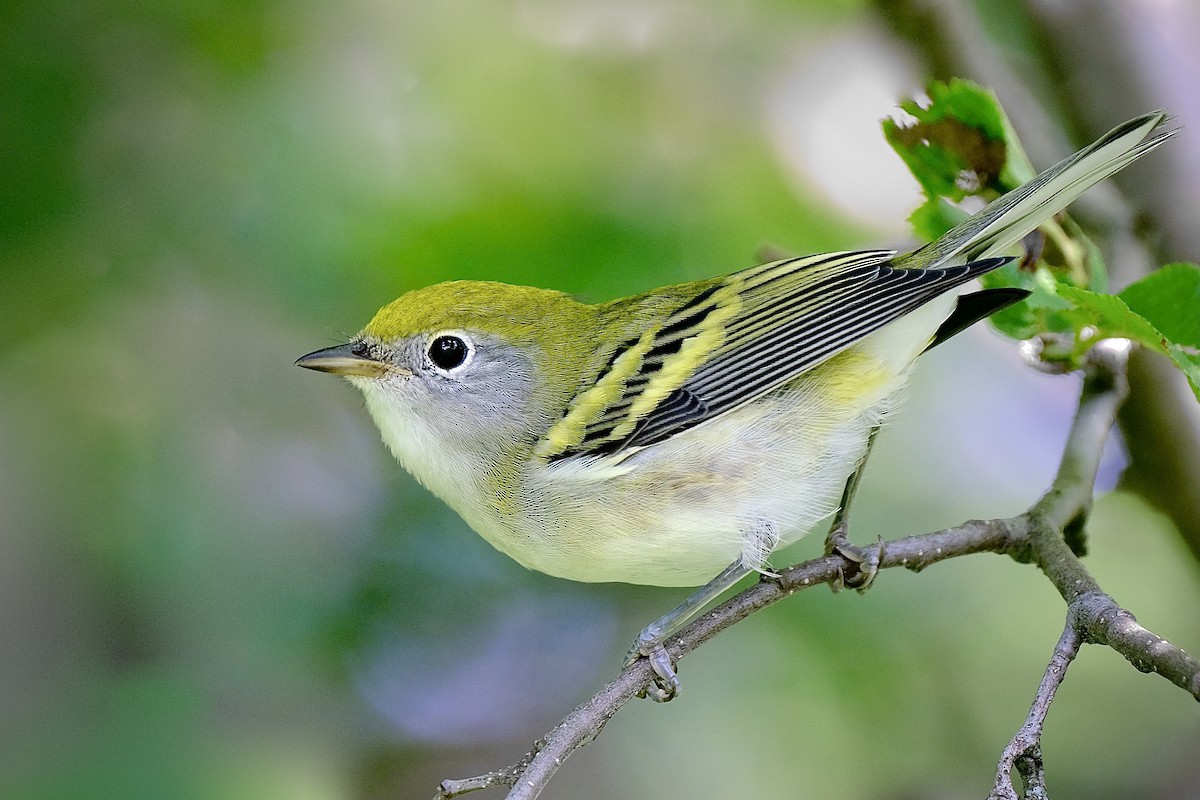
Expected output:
(1036, 536)
(1092, 616)
(1024, 749)
(530, 775)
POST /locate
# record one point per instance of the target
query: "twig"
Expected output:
(456, 788)
(1030, 766)
(1099, 619)
(1025, 747)
(1092, 615)
(507, 776)
(530, 776)
(913, 552)
(1104, 389)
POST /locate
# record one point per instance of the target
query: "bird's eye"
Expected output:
(448, 352)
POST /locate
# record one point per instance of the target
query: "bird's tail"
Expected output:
(1007, 219)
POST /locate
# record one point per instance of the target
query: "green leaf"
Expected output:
(959, 143)
(935, 217)
(1169, 298)
(1085, 265)
(1018, 321)
(1189, 362)
(1096, 316)
(1110, 317)
(1044, 311)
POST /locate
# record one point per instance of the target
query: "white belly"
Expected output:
(679, 511)
(735, 487)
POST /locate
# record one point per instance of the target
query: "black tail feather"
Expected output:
(973, 307)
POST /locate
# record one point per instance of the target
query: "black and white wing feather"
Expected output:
(738, 338)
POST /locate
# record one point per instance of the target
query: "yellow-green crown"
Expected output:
(516, 313)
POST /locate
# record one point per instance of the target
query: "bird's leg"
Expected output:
(838, 538)
(649, 642)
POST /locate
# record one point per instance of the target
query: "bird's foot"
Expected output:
(649, 645)
(865, 560)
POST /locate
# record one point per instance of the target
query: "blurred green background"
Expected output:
(215, 582)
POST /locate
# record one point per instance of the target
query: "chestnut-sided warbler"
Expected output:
(680, 436)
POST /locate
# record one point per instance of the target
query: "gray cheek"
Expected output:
(501, 394)
(490, 401)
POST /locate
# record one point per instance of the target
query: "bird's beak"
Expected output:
(342, 360)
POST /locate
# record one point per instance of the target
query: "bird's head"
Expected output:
(462, 374)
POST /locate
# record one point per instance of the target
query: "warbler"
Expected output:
(680, 436)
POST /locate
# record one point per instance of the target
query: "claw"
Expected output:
(649, 643)
(666, 682)
(867, 559)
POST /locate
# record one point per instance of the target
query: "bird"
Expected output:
(680, 436)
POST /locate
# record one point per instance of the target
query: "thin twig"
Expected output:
(1104, 389)
(1092, 615)
(1100, 619)
(450, 788)
(585, 722)
(1025, 745)
(1032, 771)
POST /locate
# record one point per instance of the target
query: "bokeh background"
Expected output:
(214, 581)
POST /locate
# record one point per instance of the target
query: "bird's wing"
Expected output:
(739, 338)
(746, 334)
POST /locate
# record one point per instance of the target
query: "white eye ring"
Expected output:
(449, 351)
